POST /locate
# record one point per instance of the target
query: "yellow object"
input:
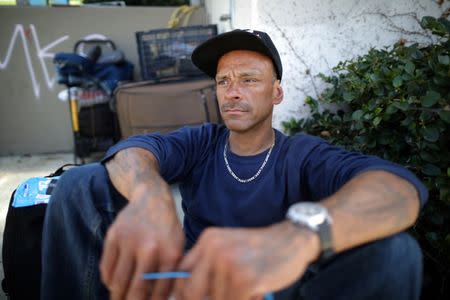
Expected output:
(8, 2)
(184, 11)
(74, 112)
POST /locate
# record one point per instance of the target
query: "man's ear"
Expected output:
(278, 93)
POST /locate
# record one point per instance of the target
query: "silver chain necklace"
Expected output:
(254, 176)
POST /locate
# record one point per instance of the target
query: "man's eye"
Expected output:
(250, 80)
(221, 82)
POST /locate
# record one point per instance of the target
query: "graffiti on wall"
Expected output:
(41, 53)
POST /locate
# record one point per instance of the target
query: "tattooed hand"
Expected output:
(146, 235)
(246, 263)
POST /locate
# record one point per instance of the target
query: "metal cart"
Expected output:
(90, 85)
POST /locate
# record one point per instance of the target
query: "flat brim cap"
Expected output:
(206, 56)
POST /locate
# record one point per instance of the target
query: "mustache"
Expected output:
(235, 106)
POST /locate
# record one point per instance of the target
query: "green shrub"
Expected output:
(395, 103)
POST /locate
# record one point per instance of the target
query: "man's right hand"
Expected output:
(146, 235)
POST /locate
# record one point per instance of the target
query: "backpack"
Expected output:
(22, 236)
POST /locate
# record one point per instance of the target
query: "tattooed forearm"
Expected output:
(132, 168)
(372, 205)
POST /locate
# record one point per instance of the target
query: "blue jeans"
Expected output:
(85, 203)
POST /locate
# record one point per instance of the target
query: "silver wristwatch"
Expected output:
(315, 217)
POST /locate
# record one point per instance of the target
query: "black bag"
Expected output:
(22, 237)
(97, 121)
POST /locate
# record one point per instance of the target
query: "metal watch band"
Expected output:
(326, 242)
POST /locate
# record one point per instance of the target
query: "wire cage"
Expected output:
(166, 53)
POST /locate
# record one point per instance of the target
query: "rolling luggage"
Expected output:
(145, 107)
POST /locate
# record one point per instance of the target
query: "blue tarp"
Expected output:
(76, 70)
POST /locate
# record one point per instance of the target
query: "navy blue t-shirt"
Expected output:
(300, 168)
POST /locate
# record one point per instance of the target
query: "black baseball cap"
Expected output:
(207, 55)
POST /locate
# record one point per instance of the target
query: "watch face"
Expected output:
(310, 214)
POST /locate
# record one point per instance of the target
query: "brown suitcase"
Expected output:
(144, 107)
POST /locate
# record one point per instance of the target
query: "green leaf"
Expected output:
(415, 53)
(440, 80)
(406, 77)
(445, 116)
(448, 172)
(368, 116)
(391, 109)
(412, 99)
(361, 139)
(337, 119)
(430, 98)
(431, 146)
(379, 91)
(431, 134)
(363, 66)
(348, 96)
(425, 116)
(398, 81)
(428, 157)
(412, 126)
(386, 71)
(410, 67)
(445, 22)
(359, 125)
(438, 27)
(431, 170)
(374, 77)
(444, 59)
(376, 121)
(372, 104)
(378, 110)
(404, 106)
(407, 121)
(357, 115)
(426, 21)
(312, 103)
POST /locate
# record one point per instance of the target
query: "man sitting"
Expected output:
(264, 212)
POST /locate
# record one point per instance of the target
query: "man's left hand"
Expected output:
(244, 264)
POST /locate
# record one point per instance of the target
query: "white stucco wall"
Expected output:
(313, 36)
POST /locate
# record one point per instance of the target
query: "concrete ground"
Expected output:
(15, 169)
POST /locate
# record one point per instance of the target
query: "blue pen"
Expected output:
(180, 274)
(165, 275)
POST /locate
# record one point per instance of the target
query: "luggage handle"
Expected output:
(61, 169)
(94, 42)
